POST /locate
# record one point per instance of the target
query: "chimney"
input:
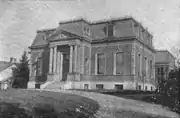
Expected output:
(12, 60)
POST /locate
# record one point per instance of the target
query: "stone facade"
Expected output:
(101, 55)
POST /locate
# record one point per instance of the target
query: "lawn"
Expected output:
(75, 104)
(154, 98)
(118, 107)
(44, 104)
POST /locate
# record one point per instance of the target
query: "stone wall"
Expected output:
(43, 54)
(150, 55)
(109, 50)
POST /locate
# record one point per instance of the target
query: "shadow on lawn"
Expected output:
(45, 105)
(15, 110)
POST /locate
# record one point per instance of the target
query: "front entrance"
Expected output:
(63, 63)
(65, 66)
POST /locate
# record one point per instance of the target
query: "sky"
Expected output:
(20, 19)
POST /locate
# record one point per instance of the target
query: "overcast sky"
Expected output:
(19, 19)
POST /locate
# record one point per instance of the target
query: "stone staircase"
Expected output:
(56, 85)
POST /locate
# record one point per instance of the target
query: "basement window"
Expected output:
(99, 86)
(37, 86)
(86, 86)
(118, 86)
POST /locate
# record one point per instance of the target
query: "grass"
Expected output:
(150, 97)
(75, 104)
(30, 103)
(118, 107)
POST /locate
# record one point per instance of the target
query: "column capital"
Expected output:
(72, 44)
(78, 45)
(53, 46)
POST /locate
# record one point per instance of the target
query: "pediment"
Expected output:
(60, 35)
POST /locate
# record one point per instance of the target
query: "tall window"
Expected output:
(140, 64)
(38, 67)
(146, 66)
(160, 71)
(150, 63)
(101, 63)
(119, 62)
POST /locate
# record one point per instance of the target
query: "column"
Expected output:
(95, 71)
(55, 59)
(82, 59)
(61, 65)
(30, 68)
(58, 64)
(90, 60)
(71, 58)
(75, 58)
(114, 63)
(50, 60)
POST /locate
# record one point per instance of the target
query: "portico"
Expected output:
(62, 61)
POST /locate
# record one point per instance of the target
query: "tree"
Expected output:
(21, 73)
(170, 88)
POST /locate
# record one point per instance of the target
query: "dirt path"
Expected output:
(116, 107)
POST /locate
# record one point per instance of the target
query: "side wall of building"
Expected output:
(144, 76)
(38, 76)
(109, 79)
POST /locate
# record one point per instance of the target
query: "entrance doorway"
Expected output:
(65, 69)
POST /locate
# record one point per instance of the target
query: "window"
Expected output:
(37, 86)
(146, 88)
(160, 71)
(87, 30)
(86, 86)
(119, 62)
(118, 86)
(101, 63)
(146, 66)
(139, 87)
(140, 62)
(38, 67)
(110, 29)
(99, 86)
(150, 63)
(151, 88)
